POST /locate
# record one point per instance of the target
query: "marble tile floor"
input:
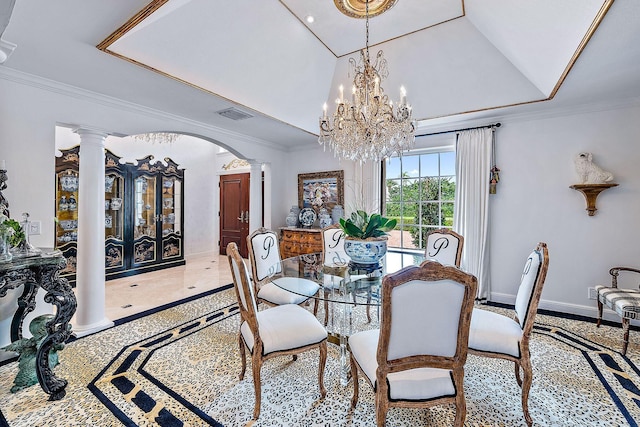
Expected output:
(134, 294)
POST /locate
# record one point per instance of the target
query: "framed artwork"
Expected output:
(321, 190)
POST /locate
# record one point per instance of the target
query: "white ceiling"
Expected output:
(458, 59)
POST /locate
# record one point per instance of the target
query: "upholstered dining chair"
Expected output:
(334, 262)
(625, 302)
(416, 359)
(266, 268)
(494, 335)
(445, 246)
(277, 331)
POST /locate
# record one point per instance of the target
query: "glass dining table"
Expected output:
(350, 294)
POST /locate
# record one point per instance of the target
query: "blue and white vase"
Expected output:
(365, 252)
(336, 213)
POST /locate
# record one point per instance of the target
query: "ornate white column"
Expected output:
(255, 196)
(90, 278)
(267, 195)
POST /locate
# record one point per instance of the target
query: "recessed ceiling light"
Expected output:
(309, 19)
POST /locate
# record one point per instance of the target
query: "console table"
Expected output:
(35, 272)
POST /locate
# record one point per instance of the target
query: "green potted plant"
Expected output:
(366, 236)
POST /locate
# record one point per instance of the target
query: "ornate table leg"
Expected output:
(26, 302)
(60, 294)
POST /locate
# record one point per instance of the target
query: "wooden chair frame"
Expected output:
(451, 233)
(259, 282)
(428, 271)
(615, 272)
(248, 314)
(524, 361)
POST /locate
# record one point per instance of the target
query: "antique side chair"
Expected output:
(416, 359)
(277, 331)
(266, 268)
(494, 335)
(625, 302)
(445, 246)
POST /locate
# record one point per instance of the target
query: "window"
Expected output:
(420, 193)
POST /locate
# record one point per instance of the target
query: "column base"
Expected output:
(84, 330)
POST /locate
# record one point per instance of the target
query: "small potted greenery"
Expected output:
(366, 236)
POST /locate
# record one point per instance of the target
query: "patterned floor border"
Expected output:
(141, 391)
(588, 349)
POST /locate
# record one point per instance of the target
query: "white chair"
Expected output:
(266, 267)
(334, 262)
(444, 246)
(416, 359)
(625, 302)
(498, 336)
(282, 330)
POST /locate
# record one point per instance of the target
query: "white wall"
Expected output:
(534, 203)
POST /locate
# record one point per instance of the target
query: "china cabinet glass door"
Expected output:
(113, 208)
(171, 217)
(144, 219)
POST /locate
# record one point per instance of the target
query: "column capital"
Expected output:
(89, 131)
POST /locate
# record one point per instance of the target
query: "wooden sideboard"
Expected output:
(296, 241)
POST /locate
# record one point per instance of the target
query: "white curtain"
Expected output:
(473, 165)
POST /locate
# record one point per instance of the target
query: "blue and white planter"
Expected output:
(365, 252)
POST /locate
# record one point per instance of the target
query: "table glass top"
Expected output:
(338, 281)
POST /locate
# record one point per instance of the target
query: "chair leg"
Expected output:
(256, 364)
(315, 306)
(356, 386)
(323, 362)
(625, 329)
(369, 306)
(243, 356)
(517, 369)
(526, 384)
(326, 309)
(381, 409)
(599, 312)
(461, 410)
(461, 403)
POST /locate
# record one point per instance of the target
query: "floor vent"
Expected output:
(234, 114)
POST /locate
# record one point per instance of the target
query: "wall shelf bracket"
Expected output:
(590, 192)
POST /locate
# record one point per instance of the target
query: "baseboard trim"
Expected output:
(566, 310)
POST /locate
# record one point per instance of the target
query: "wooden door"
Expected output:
(234, 211)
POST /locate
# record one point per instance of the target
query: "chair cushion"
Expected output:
(284, 327)
(625, 302)
(494, 333)
(413, 384)
(275, 294)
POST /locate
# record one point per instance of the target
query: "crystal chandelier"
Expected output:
(368, 127)
(158, 137)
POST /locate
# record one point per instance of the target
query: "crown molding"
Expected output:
(53, 86)
(548, 112)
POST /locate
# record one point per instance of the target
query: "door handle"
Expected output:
(244, 216)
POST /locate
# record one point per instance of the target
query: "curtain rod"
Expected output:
(497, 125)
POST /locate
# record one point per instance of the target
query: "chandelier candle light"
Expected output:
(368, 127)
